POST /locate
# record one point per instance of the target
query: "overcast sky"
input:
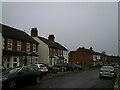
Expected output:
(74, 24)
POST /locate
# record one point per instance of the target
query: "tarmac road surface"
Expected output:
(86, 79)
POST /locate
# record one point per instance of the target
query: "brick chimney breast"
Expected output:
(51, 38)
(34, 32)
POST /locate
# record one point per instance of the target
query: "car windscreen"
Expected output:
(107, 68)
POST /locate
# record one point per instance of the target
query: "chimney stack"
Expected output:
(34, 32)
(51, 38)
(91, 48)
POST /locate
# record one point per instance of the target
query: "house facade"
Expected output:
(50, 52)
(80, 56)
(105, 58)
(113, 60)
(85, 56)
(18, 47)
(95, 58)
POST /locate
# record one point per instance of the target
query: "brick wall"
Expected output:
(23, 45)
(80, 56)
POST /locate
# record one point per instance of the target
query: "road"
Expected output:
(86, 79)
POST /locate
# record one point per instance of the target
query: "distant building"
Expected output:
(85, 56)
(19, 48)
(104, 58)
(50, 52)
(113, 60)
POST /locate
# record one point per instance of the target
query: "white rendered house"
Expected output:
(50, 52)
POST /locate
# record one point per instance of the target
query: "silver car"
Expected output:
(107, 71)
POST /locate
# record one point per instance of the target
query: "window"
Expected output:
(28, 46)
(34, 47)
(9, 44)
(54, 51)
(31, 69)
(36, 61)
(61, 53)
(58, 52)
(24, 71)
(31, 61)
(14, 62)
(66, 52)
(18, 45)
(8, 61)
(50, 52)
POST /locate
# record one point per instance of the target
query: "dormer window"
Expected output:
(10, 44)
(34, 47)
(28, 46)
(18, 45)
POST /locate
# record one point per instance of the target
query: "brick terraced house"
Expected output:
(85, 56)
(50, 52)
(19, 48)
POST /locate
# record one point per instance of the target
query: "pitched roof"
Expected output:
(91, 52)
(13, 33)
(52, 44)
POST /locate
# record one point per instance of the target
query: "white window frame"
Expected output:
(34, 47)
(28, 47)
(36, 61)
(61, 53)
(58, 51)
(9, 43)
(54, 51)
(15, 62)
(8, 63)
(18, 45)
(50, 51)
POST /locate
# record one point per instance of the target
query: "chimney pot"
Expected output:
(91, 48)
(51, 37)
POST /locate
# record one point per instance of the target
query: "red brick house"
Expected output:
(113, 60)
(18, 48)
(84, 56)
(80, 56)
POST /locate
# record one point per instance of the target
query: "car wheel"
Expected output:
(13, 85)
(38, 80)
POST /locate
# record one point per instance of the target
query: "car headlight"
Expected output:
(3, 79)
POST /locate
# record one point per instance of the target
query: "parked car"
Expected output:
(71, 67)
(51, 68)
(78, 67)
(42, 68)
(107, 71)
(11, 78)
(62, 67)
